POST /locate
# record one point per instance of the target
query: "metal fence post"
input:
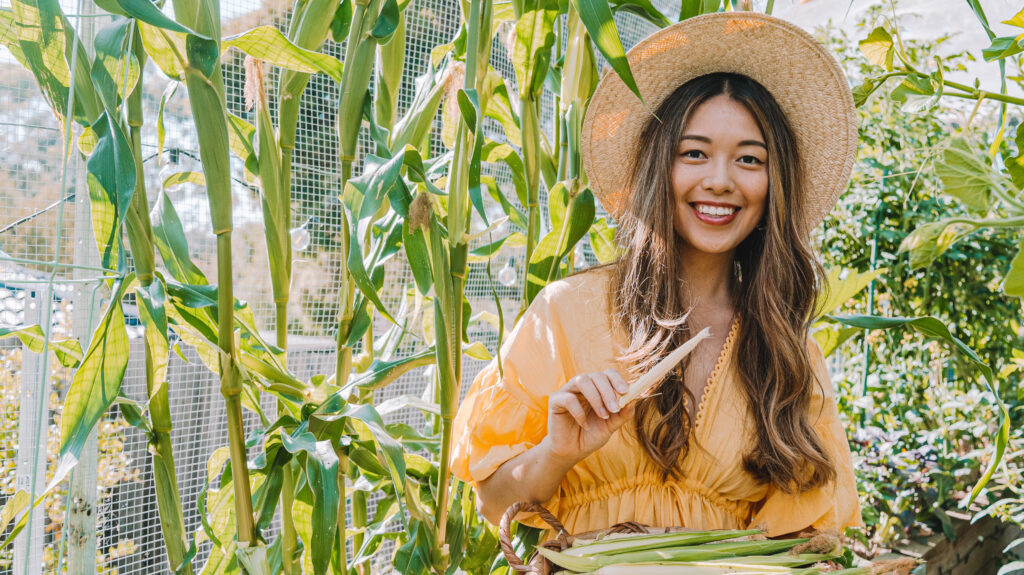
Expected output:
(32, 433)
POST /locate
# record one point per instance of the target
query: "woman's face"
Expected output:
(719, 177)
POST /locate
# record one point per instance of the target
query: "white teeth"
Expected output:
(715, 210)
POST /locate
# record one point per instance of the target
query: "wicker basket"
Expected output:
(537, 564)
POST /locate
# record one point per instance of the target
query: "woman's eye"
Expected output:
(696, 154)
(751, 160)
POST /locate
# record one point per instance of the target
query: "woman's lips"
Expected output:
(714, 220)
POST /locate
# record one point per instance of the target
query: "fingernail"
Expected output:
(615, 406)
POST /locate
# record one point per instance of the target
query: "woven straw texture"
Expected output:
(804, 78)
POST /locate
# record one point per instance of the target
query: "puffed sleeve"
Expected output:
(505, 412)
(834, 505)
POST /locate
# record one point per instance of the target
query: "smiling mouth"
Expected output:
(717, 215)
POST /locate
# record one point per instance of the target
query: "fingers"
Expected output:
(601, 390)
(609, 395)
(618, 382)
(569, 402)
(588, 388)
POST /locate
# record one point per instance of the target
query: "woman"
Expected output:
(751, 141)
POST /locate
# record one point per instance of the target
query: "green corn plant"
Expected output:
(205, 84)
(450, 263)
(152, 297)
(308, 29)
(115, 80)
(531, 56)
(276, 203)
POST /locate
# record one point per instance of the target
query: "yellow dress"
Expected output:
(567, 331)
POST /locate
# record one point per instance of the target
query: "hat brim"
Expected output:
(802, 76)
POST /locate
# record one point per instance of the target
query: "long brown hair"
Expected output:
(780, 282)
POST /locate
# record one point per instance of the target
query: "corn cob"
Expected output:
(648, 380)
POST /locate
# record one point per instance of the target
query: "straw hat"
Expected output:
(802, 76)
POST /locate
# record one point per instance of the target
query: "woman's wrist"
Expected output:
(554, 459)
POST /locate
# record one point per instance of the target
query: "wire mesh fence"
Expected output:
(47, 278)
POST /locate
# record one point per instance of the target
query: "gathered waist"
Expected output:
(739, 509)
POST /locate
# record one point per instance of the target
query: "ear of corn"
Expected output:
(623, 544)
(656, 568)
(690, 553)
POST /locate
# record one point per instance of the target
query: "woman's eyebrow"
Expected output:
(707, 140)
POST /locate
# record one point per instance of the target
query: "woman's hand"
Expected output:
(584, 413)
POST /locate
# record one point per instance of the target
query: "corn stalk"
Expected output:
(365, 31)
(531, 56)
(450, 265)
(151, 297)
(205, 84)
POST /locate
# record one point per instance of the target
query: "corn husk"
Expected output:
(686, 554)
(616, 544)
(648, 380)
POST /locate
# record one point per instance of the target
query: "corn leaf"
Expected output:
(67, 351)
(322, 474)
(602, 241)
(115, 70)
(370, 426)
(172, 243)
(935, 329)
(111, 180)
(413, 127)
(499, 107)
(179, 178)
(165, 48)
(494, 152)
(342, 21)
(146, 11)
(270, 45)
(161, 132)
(534, 40)
(597, 17)
(571, 218)
(642, 8)
(390, 65)
(97, 382)
(382, 373)
(43, 41)
(387, 21)
(363, 197)
(151, 300)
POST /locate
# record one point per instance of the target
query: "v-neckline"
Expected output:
(715, 375)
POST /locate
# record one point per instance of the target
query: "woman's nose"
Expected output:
(718, 180)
